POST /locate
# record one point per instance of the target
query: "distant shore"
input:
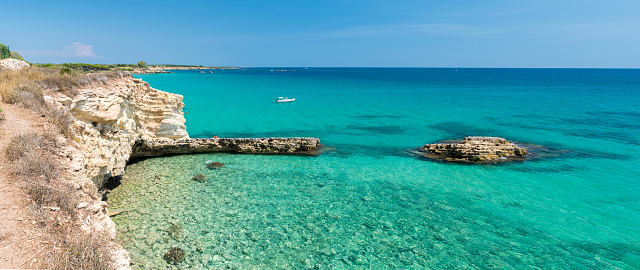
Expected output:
(165, 69)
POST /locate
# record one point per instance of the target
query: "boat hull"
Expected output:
(285, 100)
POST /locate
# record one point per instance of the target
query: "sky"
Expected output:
(328, 33)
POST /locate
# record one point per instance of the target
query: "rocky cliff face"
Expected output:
(110, 117)
(475, 149)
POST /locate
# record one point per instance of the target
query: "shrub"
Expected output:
(82, 250)
(65, 70)
(20, 145)
(62, 119)
(29, 95)
(34, 164)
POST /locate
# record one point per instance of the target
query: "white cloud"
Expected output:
(75, 49)
(79, 49)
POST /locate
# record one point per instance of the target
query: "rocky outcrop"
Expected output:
(14, 64)
(150, 147)
(475, 149)
(111, 117)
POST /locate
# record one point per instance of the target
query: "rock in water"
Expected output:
(476, 150)
(175, 255)
(200, 178)
(215, 165)
(175, 231)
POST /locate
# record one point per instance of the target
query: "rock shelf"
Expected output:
(152, 147)
(475, 150)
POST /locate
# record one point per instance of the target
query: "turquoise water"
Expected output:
(367, 202)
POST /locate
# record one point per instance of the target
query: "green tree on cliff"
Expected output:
(142, 64)
(4, 52)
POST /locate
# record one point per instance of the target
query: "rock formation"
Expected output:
(111, 117)
(149, 147)
(215, 165)
(475, 149)
(14, 64)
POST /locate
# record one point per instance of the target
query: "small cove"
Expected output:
(369, 204)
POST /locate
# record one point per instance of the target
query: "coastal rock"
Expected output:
(476, 150)
(111, 117)
(175, 231)
(215, 165)
(175, 255)
(149, 147)
(200, 178)
(13, 64)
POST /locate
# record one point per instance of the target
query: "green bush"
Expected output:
(4, 52)
(16, 55)
(65, 70)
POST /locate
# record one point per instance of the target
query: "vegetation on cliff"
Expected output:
(6, 53)
(35, 165)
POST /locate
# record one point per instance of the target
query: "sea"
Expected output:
(369, 201)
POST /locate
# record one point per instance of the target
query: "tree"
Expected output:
(4, 52)
(142, 64)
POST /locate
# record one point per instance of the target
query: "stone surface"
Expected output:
(215, 165)
(175, 255)
(14, 64)
(148, 147)
(475, 149)
(200, 178)
(110, 117)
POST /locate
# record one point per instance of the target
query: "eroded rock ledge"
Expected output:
(151, 147)
(476, 150)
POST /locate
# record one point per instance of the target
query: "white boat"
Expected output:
(285, 99)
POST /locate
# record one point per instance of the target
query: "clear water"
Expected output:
(367, 202)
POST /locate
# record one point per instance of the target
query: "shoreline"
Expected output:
(115, 119)
(166, 69)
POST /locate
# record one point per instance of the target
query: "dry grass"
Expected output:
(83, 251)
(41, 176)
(33, 160)
(19, 145)
(27, 86)
(40, 172)
(49, 79)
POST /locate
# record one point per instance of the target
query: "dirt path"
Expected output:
(22, 243)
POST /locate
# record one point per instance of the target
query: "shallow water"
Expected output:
(368, 202)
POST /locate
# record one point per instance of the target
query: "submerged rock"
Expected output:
(175, 231)
(200, 178)
(215, 165)
(175, 255)
(475, 150)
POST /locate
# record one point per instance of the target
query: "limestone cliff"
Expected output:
(111, 116)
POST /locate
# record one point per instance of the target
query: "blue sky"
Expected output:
(329, 33)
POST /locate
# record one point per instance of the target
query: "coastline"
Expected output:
(113, 120)
(167, 69)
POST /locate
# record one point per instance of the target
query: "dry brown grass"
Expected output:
(81, 250)
(41, 176)
(49, 79)
(26, 87)
(33, 161)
